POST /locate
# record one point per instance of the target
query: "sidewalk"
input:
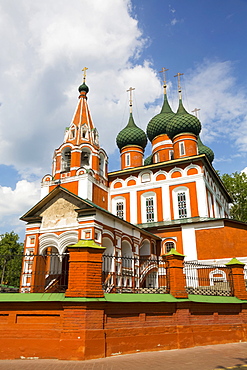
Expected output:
(221, 356)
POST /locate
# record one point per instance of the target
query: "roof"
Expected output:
(31, 215)
(189, 220)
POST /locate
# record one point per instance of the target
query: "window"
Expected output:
(171, 155)
(127, 159)
(156, 158)
(120, 209)
(169, 246)
(181, 148)
(84, 132)
(66, 159)
(150, 209)
(182, 209)
(101, 165)
(96, 136)
(72, 133)
(85, 158)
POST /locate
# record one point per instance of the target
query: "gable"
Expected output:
(59, 214)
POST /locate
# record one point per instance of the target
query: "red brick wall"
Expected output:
(76, 330)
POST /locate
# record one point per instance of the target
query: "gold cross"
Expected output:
(195, 111)
(164, 74)
(84, 73)
(178, 76)
(131, 101)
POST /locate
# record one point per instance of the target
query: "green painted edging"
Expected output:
(117, 298)
(142, 298)
(214, 299)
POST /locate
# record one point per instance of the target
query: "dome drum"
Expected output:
(131, 156)
(185, 145)
(162, 149)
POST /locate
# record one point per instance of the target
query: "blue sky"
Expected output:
(123, 43)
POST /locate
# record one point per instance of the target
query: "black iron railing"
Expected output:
(128, 274)
(34, 273)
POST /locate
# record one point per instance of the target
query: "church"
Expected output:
(170, 200)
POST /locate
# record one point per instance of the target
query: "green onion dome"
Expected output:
(148, 160)
(131, 135)
(183, 122)
(157, 125)
(203, 149)
(83, 87)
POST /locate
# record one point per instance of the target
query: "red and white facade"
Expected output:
(178, 201)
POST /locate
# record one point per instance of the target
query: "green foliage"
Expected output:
(11, 251)
(236, 184)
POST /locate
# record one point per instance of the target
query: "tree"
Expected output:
(11, 251)
(236, 184)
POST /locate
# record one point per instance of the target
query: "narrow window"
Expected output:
(182, 209)
(150, 209)
(156, 157)
(85, 157)
(171, 155)
(127, 159)
(182, 148)
(72, 133)
(66, 159)
(120, 209)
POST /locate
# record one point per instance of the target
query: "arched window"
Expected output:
(168, 246)
(85, 157)
(119, 207)
(84, 132)
(181, 202)
(101, 165)
(182, 206)
(145, 249)
(149, 207)
(95, 136)
(66, 159)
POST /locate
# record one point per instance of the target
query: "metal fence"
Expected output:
(128, 274)
(34, 273)
(120, 274)
(208, 279)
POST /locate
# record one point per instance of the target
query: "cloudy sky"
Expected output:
(45, 44)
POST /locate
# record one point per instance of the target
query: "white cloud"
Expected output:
(212, 88)
(46, 46)
(14, 203)
(174, 21)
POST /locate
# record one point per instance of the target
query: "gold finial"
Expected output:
(179, 86)
(195, 111)
(163, 71)
(84, 74)
(131, 101)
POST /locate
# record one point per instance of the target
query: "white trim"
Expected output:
(189, 242)
(164, 142)
(144, 196)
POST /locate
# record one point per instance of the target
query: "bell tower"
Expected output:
(80, 164)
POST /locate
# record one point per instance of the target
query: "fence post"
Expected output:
(237, 274)
(85, 269)
(176, 278)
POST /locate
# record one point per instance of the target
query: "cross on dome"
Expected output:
(178, 75)
(84, 74)
(131, 100)
(195, 111)
(163, 71)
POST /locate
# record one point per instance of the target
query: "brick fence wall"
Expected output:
(77, 330)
